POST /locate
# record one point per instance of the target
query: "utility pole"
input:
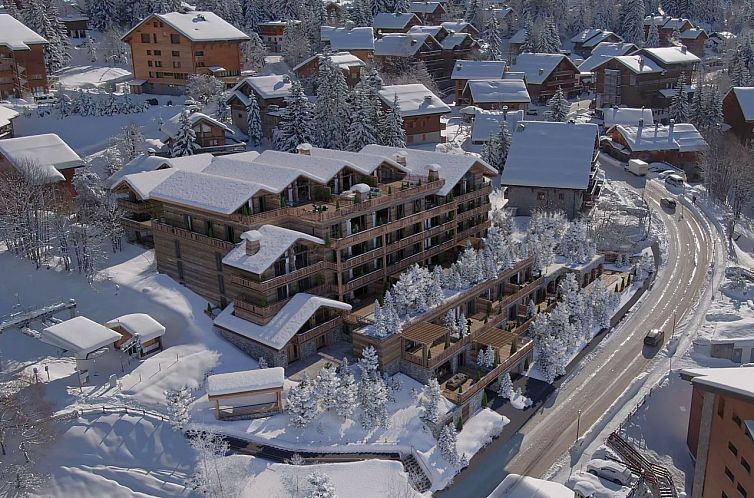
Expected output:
(578, 426)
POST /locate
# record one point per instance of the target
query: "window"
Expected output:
(229, 236)
(157, 63)
(151, 74)
(741, 490)
(177, 249)
(149, 52)
(154, 37)
(199, 63)
(218, 261)
(221, 284)
(732, 448)
(745, 465)
(561, 197)
(175, 39)
(176, 53)
(721, 407)
(145, 38)
(156, 24)
(736, 420)
(158, 52)
(149, 63)
(176, 64)
(199, 53)
(189, 222)
(729, 474)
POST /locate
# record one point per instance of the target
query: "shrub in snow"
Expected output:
(489, 357)
(216, 475)
(432, 394)
(302, 407)
(506, 387)
(178, 402)
(447, 445)
(320, 486)
(262, 362)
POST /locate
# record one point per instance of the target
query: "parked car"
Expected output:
(674, 181)
(654, 337)
(531, 112)
(47, 98)
(668, 203)
(610, 471)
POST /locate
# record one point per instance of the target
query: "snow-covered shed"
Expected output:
(45, 158)
(516, 486)
(421, 110)
(494, 94)
(7, 115)
(148, 330)
(79, 336)
(247, 394)
(487, 123)
(551, 166)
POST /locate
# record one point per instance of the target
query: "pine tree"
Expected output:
(531, 42)
(506, 387)
(433, 395)
(558, 107)
(321, 486)
(178, 402)
(346, 400)
(447, 445)
(326, 388)
(632, 21)
(254, 121)
(103, 14)
(295, 44)
(302, 406)
(253, 52)
(331, 109)
(184, 143)
(361, 131)
(392, 133)
(262, 362)
(679, 105)
(713, 107)
(494, 39)
(653, 35)
(296, 124)
(91, 49)
(698, 112)
(550, 38)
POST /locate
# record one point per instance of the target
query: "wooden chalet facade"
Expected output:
(167, 48)
(76, 25)
(270, 93)
(384, 23)
(212, 136)
(585, 41)
(544, 73)
(22, 65)
(428, 12)
(271, 33)
(666, 26)
(349, 64)
(738, 112)
(421, 110)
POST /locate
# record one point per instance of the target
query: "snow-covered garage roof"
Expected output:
(737, 380)
(550, 154)
(348, 38)
(245, 381)
(141, 324)
(478, 70)
(273, 242)
(197, 26)
(48, 151)
(16, 35)
(413, 100)
(79, 335)
(516, 486)
(493, 91)
(284, 325)
(745, 97)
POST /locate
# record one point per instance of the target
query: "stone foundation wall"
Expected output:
(416, 372)
(255, 350)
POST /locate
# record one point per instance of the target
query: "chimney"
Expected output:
(541, 71)
(286, 79)
(639, 129)
(304, 149)
(200, 17)
(413, 42)
(428, 99)
(433, 172)
(505, 113)
(400, 158)
(670, 130)
(641, 63)
(252, 239)
(683, 48)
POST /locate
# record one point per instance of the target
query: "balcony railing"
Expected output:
(318, 330)
(136, 207)
(271, 310)
(280, 280)
(189, 235)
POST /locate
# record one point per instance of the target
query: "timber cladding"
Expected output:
(388, 349)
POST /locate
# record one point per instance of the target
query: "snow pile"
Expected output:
(516, 486)
(590, 485)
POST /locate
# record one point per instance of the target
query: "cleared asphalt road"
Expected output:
(551, 432)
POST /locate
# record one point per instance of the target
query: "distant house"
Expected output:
(22, 70)
(349, 64)
(487, 123)
(461, 27)
(394, 23)
(210, 134)
(394, 50)
(695, 39)
(167, 48)
(552, 166)
(7, 115)
(678, 144)
(140, 334)
(336, 12)
(515, 43)
(604, 51)
(666, 26)
(544, 73)
(271, 33)
(270, 92)
(421, 111)
(585, 41)
(720, 41)
(454, 46)
(44, 158)
(76, 25)
(738, 112)
(465, 70)
(428, 12)
(358, 41)
(496, 94)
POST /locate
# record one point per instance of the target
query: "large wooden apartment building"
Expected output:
(167, 48)
(22, 63)
(283, 241)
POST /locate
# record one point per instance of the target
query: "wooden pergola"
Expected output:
(425, 334)
(497, 338)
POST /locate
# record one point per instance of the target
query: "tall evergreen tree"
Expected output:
(185, 141)
(494, 38)
(550, 38)
(331, 109)
(392, 133)
(296, 124)
(558, 107)
(679, 106)
(713, 107)
(653, 35)
(401, 6)
(531, 42)
(632, 21)
(362, 131)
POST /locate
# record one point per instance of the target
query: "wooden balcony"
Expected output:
(224, 245)
(267, 312)
(140, 226)
(136, 207)
(319, 330)
(280, 280)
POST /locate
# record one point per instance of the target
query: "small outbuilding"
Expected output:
(140, 334)
(247, 394)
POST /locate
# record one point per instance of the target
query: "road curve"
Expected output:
(610, 370)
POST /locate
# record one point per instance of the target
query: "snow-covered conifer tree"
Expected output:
(489, 357)
(321, 486)
(653, 35)
(91, 49)
(632, 21)
(262, 362)
(369, 363)
(254, 121)
(494, 39)
(558, 107)
(326, 388)
(331, 109)
(346, 400)
(361, 131)
(295, 44)
(302, 407)
(481, 358)
(713, 106)
(392, 133)
(506, 387)
(433, 395)
(184, 143)
(296, 124)
(679, 105)
(178, 402)
(550, 38)
(447, 444)
(253, 52)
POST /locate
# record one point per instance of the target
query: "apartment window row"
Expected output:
(174, 38)
(174, 53)
(741, 490)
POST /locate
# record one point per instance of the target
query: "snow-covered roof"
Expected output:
(502, 13)
(454, 40)
(400, 44)
(343, 60)
(432, 30)
(16, 35)
(599, 38)
(592, 486)
(456, 26)
(141, 324)
(79, 335)
(6, 114)
(516, 486)
(245, 381)
(745, 97)
(212, 193)
(518, 37)
(550, 154)
(627, 116)
(671, 55)
(684, 138)
(172, 126)
(585, 35)
(268, 87)
(492, 91)
(142, 184)
(638, 64)
(424, 7)
(537, 66)
(273, 242)
(452, 166)
(197, 26)
(145, 162)
(603, 52)
(692, 34)
(348, 38)
(359, 161)
(477, 70)
(738, 380)
(413, 100)
(320, 167)
(74, 17)
(487, 123)
(385, 20)
(49, 152)
(284, 325)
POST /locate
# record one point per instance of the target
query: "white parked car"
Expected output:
(611, 471)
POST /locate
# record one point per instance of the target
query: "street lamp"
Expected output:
(578, 426)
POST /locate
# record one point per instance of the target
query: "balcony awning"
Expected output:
(424, 333)
(497, 338)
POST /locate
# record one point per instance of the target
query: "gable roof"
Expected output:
(245, 381)
(343, 60)
(693, 34)
(197, 26)
(487, 123)
(458, 26)
(273, 240)
(413, 100)
(735, 380)
(670, 55)
(16, 35)
(274, 86)
(745, 98)
(385, 20)
(207, 192)
(550, 154)
(348, 38)
(604, 51)
(502, 90)
(683, 138)
(401, 44)
(79, 335)
(636, 63)
(477, 70)
(585, 35)
(627, 116)
(172, 126)
(284, 325)
(538, 67)
(48, 151)
(454, 40)
(145, 163)
(425, 7)
(518, 37)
